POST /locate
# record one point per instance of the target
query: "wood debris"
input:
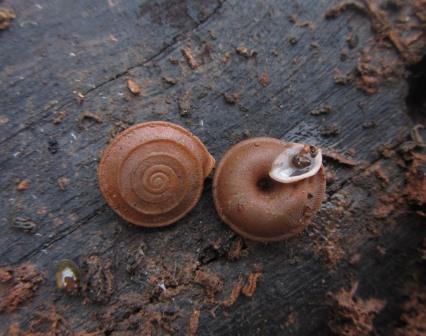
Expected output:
(184, 104)
(98, 281)
(264, 79)
(414, 314)
(407, 38)
(352, 40)
(59, 117)
(353, 316)
(369, 124)
(169, 80)
(301, 24)
(232, 98)
(46, 323)
(23, 185)
(5, 274)
(322, 110)
(236, 250)
(189, 57)
(415, 189)
(194, 320)
(6, 16)
(250, 287)
(63, 182)
(337, 157)
(173, 61)
(416, 136)
(211, 283)
(91, 116)
(20, 287)
(3, 120)
(292, 40)
(133, 87)
(330, 130)
(235, 293)
(25, 224)
(341, 78)
(314, 45)
(226, 57)
(245, 52)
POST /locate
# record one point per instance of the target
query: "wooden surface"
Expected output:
(75, 57)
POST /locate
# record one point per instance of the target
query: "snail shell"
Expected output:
(152, 174)
(257, 206)
(67, 276)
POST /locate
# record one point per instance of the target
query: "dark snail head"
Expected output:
(269, 190)
(152, 174)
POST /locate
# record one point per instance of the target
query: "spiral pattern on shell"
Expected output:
(256, 206)
(152, 174)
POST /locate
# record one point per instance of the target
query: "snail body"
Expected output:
(296, 162)
(259, 207)
(152, 174)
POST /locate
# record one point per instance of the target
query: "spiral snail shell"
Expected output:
(259, 207)
(152, 174)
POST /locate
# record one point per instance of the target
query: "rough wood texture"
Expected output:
(226, 70)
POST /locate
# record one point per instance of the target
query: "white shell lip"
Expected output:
(282, 168)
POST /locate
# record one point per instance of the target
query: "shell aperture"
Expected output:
(296, 162)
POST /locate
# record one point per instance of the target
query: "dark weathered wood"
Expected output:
(56, 50)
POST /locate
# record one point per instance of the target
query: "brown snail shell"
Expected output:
(152, 174)
(255, 205)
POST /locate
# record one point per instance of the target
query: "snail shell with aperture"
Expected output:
(268, 190)
(152, 174)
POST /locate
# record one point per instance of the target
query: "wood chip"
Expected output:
(194, 320)
(4, 120)
(264, 79)
(6, 16)
(92, 116)
(5, 274)
(250, 287)
(226, 57)
(169, 80)
(133, 87)
(341, 78)
(293, 40)
(339, 158)
(189, 57)
(63, 182)
(184, 104)
(23, 185)
(173, 61)
(330, 130)
(59, 117)
(245, 52)
(235, 293)
(211, 283)
(324, 109)
(232, 98)
(24, 224)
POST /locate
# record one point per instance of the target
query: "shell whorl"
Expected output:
(152, 174)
